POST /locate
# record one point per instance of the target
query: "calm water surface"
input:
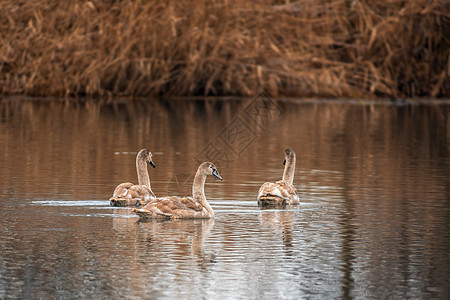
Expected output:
(373, 223)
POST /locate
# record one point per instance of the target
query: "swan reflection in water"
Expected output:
(282, 222)
(181, 239)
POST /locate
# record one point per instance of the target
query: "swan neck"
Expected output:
(289, 169)
(142, 172)
(198, 192)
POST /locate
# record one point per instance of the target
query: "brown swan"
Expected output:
(281, 192)
(175, 207)
(128, 194)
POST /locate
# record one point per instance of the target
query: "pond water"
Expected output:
(373, 178)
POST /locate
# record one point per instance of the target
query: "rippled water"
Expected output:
(373, 223)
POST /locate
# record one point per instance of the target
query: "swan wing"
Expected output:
(140, 192)
(170, 207)
(280, 191)
(122, 189)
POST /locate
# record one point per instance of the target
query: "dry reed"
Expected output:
(335, 48)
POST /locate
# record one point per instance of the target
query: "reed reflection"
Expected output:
(348, 234)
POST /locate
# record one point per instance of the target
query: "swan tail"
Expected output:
(150, 214)
(270, 200)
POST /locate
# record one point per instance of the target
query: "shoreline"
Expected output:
(312, 100)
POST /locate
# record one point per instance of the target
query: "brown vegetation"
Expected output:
(332, 48)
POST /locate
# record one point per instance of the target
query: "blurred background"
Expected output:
(324, 48)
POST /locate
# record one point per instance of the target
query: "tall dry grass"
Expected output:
(335, 48)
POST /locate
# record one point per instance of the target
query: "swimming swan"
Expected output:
(175, 207)
(128, 194)
(281, 192)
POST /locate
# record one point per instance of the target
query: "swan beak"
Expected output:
(284, 162)
(216, 173)
(152, 164)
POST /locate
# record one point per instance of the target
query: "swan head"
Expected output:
(289, 154)
(208, 168)
(146, 155)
